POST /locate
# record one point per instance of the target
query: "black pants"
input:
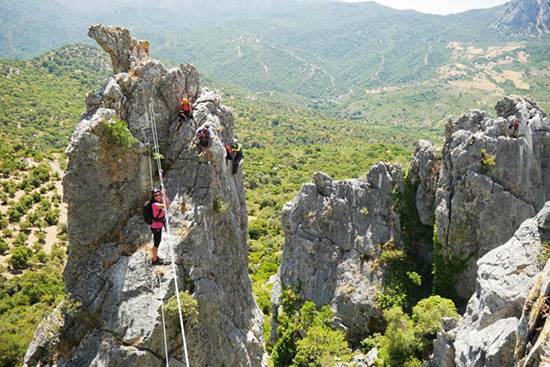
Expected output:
(157, 236)
(184, 116)
(236, 162)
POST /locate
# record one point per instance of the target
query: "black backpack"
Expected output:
(148, 212)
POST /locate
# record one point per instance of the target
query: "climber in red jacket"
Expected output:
(186, 112)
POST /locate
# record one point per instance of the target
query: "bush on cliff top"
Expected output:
(118, 133)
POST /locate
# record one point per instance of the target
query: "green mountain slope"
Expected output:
(42, 98)
(315, 49)
(353, 60)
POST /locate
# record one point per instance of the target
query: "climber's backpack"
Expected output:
(148, 212)
(228, 152)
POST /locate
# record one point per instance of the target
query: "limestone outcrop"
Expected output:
(113, 317)
(423, 174)
(533, 332)
(126, 52)
(334, 236)
(489, 184)
(494, 322)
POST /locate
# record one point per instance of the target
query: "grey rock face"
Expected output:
(125, 51)
(323, 182)
(423, 173)
(524, 17)
(333, 242)
(486, 335)
(533, 332)
(490, 183)
(108, 271)
(443, 352)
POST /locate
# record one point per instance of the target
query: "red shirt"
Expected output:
(185, 107)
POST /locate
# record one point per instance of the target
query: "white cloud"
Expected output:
(438, 6)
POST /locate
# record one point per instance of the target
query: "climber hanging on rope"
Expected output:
(204, 136)
(234, 153)
(154, 214)
(186, 112)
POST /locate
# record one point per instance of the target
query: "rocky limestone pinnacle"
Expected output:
(489, 184)
(125, 51)
(502, 325)
(334, 232)
(113, 315)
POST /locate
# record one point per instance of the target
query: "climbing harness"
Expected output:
(152, 122)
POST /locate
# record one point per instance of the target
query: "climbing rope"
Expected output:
(163, 327)
(150, 165)
(152, 122)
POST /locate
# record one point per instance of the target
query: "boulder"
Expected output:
(533, 332)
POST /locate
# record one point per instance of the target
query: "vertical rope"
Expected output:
(150, 165)
(151, 111)
(164, 328)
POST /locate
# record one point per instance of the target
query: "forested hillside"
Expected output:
(354, 60)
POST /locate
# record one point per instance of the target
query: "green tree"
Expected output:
(399, 344)
(427, 315)
(3, 246)
(322, 346)
(20, 257)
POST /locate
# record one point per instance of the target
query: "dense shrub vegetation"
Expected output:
(407, 340)
(306, 337)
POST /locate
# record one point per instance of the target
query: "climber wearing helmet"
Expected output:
(204, 136)
(158, 222)
(234, 153)
(186, 112)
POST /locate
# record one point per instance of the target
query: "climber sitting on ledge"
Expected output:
(204, 136)
(155, 215)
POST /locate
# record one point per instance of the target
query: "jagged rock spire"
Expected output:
(125, 51)
(108, 273)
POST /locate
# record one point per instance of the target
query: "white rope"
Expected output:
(150, 165)
(151, 111)
(164, 328)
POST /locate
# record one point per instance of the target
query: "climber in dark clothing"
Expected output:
(234, 153)
(159, 220)
(204, 136)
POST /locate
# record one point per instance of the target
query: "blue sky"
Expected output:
(438, 6)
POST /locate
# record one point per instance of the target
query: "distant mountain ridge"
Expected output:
(524, 17)
(339, 56)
